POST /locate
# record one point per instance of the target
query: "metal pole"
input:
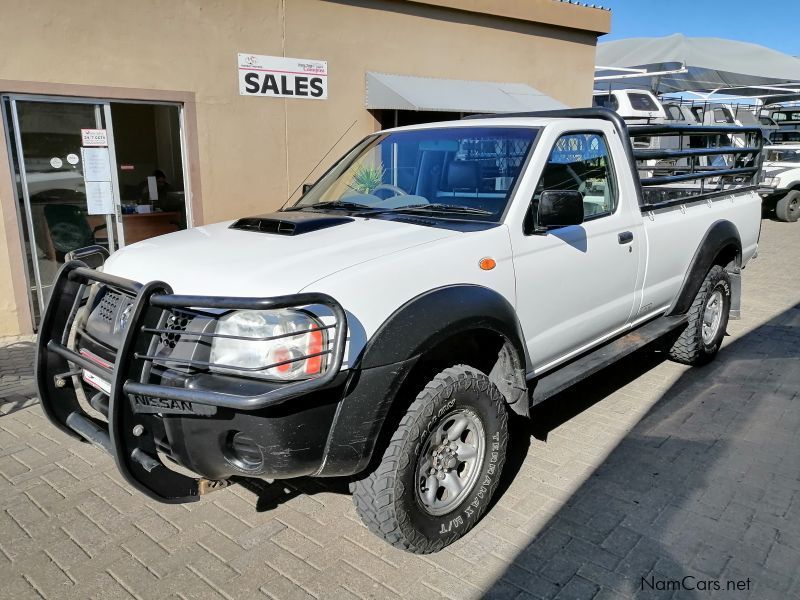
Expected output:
(112, 158)
(98, 122)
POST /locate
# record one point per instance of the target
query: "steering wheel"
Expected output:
(398, 191)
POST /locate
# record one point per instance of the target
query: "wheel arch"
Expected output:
(721, 245)
(467, 324)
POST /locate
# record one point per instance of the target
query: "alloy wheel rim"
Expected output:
(450, 462)
(712, 316)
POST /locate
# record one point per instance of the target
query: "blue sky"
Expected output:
(732, 19)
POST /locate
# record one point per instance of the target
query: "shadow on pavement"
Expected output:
(705, 490)
(17, 390)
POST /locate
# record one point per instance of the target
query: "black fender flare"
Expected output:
(379, 372)
(438, 314)
(721, 235)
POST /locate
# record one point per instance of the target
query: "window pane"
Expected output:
(580, 162)
(642, 102)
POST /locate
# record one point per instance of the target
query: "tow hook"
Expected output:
(206, 486)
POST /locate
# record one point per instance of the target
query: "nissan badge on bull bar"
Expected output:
(142, 403)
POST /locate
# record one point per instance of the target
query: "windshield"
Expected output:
(458, 172)
(783, 155)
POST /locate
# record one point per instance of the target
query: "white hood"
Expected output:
(216, 260)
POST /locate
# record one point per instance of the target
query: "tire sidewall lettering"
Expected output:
(472, 508)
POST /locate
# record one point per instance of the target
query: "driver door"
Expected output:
(576, 284)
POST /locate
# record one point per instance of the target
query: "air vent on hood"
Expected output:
(289, 223)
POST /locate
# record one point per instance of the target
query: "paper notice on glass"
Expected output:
(152, 188)
(99, 198)
(96, 164)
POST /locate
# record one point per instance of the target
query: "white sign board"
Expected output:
(99, 198)
(94, 137)
(96, 164)
(282, 77)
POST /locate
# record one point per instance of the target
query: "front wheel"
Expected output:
(442, 465)
(788, 207)
(699, 343)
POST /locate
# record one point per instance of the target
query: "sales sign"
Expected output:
(282, 77)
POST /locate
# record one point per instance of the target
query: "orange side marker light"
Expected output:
(487, 264)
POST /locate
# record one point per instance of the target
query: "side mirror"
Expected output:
(306, 187)
(558, 208)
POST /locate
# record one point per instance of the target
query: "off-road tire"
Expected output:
(387, 500)
(788, 208)
(689, 348)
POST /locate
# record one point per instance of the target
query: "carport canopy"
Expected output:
(404, 92)
(676, 63)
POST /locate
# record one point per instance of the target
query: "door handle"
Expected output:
(626, 237)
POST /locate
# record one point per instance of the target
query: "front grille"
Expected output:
(107, 308)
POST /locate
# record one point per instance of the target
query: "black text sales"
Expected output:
(283, 85)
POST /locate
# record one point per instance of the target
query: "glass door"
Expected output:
(66, 181)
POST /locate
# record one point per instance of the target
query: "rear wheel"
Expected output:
(788, 207)
(708, 320)
(442, 465)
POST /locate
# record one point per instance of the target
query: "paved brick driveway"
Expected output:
(649, 470)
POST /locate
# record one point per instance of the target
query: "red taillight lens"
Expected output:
(315, 342)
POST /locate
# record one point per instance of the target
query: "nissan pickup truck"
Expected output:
(383, 328)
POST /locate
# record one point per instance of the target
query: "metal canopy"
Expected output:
(402, 92)
(676, 63)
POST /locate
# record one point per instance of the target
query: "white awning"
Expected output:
(403, 92)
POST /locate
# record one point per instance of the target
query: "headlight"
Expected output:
(291, 340)
(770, 181)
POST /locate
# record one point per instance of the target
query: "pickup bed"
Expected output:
(436, 279)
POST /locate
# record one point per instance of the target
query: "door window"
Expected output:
(581, 162)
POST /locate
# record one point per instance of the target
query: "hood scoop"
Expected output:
(290, 222)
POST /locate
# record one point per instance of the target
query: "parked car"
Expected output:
(435, 280)
(677, 112)
(782, 175)
(788, 119)
(632, 105)
(768, 127)
(717, 113)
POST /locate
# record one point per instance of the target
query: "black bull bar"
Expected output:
(136, 456)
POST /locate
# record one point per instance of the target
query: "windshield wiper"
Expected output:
(441, 208)
(336, 204)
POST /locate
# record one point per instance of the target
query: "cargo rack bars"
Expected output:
(746, 158)
(57, 366)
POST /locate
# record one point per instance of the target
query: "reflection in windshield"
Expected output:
(458, 172)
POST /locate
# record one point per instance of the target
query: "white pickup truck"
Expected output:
(782, 180)
(435, 279)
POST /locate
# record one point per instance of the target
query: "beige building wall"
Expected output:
(252, 153)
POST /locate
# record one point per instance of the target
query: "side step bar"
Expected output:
(579, 369)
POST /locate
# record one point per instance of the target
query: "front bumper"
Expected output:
(292, 436)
